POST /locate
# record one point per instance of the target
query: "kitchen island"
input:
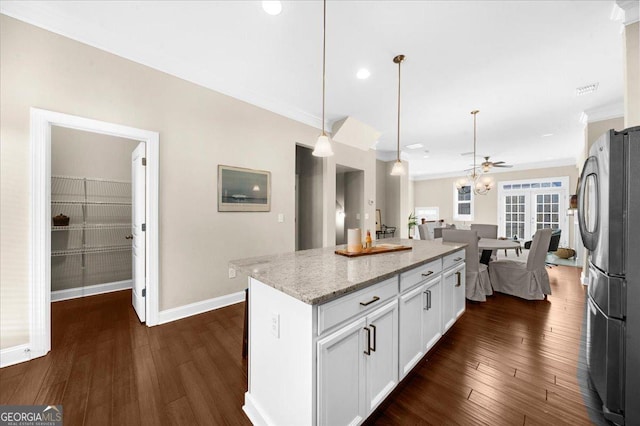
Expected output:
(330, 336)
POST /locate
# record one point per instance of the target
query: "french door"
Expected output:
(525, 207)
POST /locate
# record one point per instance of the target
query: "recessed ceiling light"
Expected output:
(272, 7)
(425, 156)
(546, 135)
(414, 146)
(589, 88)
(363, 74)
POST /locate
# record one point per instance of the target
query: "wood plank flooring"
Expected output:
(506, 362)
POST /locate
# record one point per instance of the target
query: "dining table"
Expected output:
(488, 245)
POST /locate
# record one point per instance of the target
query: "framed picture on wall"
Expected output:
(243, 190)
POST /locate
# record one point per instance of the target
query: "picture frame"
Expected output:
(243, 190)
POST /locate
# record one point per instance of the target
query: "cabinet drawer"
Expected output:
(453, 259)
(351, 305)
(421, 273)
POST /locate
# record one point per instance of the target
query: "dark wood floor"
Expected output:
(506, 361)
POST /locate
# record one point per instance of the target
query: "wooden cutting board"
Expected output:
(382, 248)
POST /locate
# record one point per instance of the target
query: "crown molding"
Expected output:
(604, 112)
(561, 162)
(631, 10)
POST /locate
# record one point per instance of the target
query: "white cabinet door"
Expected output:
(432, 314)
(341, 375)
(412, 304)
(381, 364)
(448, 313)
(459, 290)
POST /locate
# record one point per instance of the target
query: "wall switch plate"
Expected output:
(232, 273)
(275, 324)
(357, 216)
(366, 216)
(280, 217)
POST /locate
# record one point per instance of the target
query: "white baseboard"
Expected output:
(73, 293)
(15, 355)
(196, 308)
(253, 412)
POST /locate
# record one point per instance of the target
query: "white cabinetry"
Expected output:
(453, 289)
(335, 362)
(358, 366)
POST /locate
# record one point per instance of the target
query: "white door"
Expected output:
(138, 251)
(382, 363)
(411, 345)
(448, 305)
(432, 314)
(341, 376)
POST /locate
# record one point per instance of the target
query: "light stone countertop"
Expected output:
(319, 275)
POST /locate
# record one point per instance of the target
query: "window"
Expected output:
(428, 213)
(462, 203)
(526, 206)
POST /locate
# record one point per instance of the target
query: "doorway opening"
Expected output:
(43, 125)
(349, 201)
(308, 199)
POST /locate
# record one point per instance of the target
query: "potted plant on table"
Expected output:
(413, 221)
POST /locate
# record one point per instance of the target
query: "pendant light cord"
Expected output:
(399, 76)
(324, 49)
(474, 112)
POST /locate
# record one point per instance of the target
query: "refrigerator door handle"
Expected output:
(589, 173)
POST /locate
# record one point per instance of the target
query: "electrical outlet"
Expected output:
(275, 324)
(280, 217)
(232, 273)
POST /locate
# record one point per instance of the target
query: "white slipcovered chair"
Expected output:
(487, 231)
(423, 230)
(526, 280)
(478, 284)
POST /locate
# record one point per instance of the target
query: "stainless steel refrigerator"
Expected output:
(609, 220)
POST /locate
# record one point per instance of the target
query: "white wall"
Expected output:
(198, 128)
(83, 154)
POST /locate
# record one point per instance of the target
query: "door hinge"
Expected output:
(144, 227)
(144, 161)
(144, 292)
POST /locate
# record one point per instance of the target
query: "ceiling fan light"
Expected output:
(323, 147)
(398, 169)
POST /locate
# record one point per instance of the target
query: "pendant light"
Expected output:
(398, 167)
(323, 145)
(479, 184)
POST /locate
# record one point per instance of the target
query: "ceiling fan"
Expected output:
(487, 165)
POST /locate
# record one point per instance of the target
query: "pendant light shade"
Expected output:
(323, 144)
(398, 167)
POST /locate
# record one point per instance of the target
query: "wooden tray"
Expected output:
(374, 250)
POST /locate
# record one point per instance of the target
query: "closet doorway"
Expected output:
(99, 232)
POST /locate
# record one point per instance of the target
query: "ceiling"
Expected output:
(518, 62)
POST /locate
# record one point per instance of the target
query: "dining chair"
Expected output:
(478, 284)
(528, 280)
(423, 230)
(487, 231)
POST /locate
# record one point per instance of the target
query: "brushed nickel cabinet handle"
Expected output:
(457, 259)
(373, 348)
(459, 280)
(375, 299)
(368, 351)
(428, 305)
(129, 237)
(427, 274)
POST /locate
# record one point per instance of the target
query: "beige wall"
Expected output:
(78, 153)
(381, 189)
(439, 192)
(199, 129)
(632, 75)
